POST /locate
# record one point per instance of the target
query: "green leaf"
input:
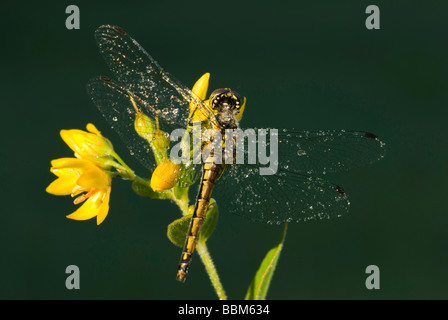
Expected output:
(142, 188)
(210, 221)
(177, 230)
(260, 283)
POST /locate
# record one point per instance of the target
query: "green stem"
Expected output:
(182, 203)
(202, 249)
(128, 170)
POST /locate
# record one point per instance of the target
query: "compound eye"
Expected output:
(238, 99)
(226, 96)
(217, 95)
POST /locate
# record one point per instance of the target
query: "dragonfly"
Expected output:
(298, 191)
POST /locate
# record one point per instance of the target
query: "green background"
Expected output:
(301, 64)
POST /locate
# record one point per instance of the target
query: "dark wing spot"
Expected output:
(119, 30)
(105, 79)
(339, 189)
(370, 135)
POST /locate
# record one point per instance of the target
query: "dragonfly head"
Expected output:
(226, 101)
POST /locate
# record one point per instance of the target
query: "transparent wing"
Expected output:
(283, 197)
(161, 97)
(139, 73)
(295, 192)
(321, 152)
(114, 102)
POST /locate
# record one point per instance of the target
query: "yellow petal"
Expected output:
(70, 163)
(65, 171)
(69, 138)
(200, 90)
(89, 209)
(93, 178)
(85, 144)
(104, 208)
(201, 86)
(63, 185)
(91, 128)
(199, 115)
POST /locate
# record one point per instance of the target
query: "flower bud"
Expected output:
(201, 86)
(144, 126)
(165, 176)
(161, 141)
(200, 90)
(88, 145)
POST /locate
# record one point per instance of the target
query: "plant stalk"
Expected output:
(202, 249)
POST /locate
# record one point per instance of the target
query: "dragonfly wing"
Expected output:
(139, 73)
(138, 76)
(321, 152)
(295, 192)
(283, 197)
(114, 103)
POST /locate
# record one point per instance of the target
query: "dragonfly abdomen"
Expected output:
(210, 174)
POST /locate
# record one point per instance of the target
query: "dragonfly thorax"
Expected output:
(227, 105)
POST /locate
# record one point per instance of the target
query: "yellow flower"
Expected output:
(82, 178)
(89, 145)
